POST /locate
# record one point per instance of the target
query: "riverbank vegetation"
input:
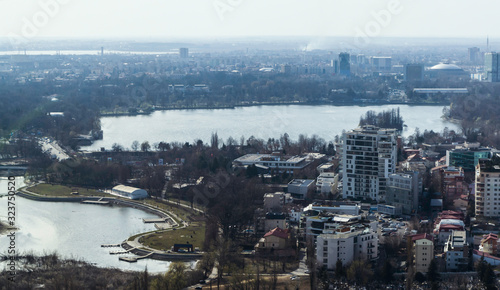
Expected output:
(386, 119)
(478, 116)
(50, 271)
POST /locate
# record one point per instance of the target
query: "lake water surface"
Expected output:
(264, 122)
(76, 230)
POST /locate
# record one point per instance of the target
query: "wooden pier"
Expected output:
(134, 259)
(154, 221)
(110, 245)
(100, 202)
(118, 252)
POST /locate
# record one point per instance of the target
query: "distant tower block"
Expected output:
(414, 72)
(102, 50)
(345, 64)
(492, 66)
(184, 52)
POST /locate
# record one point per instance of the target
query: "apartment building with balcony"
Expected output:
(487, 191)
(369, 156)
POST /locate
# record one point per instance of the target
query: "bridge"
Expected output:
(7, 170)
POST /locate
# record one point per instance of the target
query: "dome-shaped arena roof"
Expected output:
(446, 66)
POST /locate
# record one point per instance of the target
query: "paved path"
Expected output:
(301, 270)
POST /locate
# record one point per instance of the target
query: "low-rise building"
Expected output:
(274, 202)
(445, 226)
(129, 192)
(277, 162)
(327, 182)
(299, 188)
(275, 220)
(489, 244)
(348, 208)
(277, 239)
(389, 209)
(451, 183)
(422, 251)
(457, 251)
(346, 244)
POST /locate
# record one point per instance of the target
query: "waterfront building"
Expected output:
(129, 192)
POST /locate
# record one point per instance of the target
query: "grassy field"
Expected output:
(194, 234)
(61, 190)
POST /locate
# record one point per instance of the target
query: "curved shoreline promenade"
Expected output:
(131, 246)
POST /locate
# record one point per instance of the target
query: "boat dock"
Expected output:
(119, 252)
(151, 221)
(134, 259)
(100, 202)
(110, 245)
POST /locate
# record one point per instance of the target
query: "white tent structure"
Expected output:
(129, 192)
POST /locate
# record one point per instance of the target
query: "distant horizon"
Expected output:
(305, 43)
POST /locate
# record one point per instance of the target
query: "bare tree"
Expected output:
(145, 146)
(135, 145)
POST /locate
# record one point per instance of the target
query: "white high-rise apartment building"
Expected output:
(488, 187)
(369, 156)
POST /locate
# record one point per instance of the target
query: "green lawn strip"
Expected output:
(194, 234)
(66, 191)
(179, 211)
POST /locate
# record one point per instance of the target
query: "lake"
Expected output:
(264, 122)
(76, 230)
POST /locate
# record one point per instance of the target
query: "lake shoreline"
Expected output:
(336, 104)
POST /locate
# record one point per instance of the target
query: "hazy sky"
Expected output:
(216, 18)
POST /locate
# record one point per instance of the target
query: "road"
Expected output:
(53, 149)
